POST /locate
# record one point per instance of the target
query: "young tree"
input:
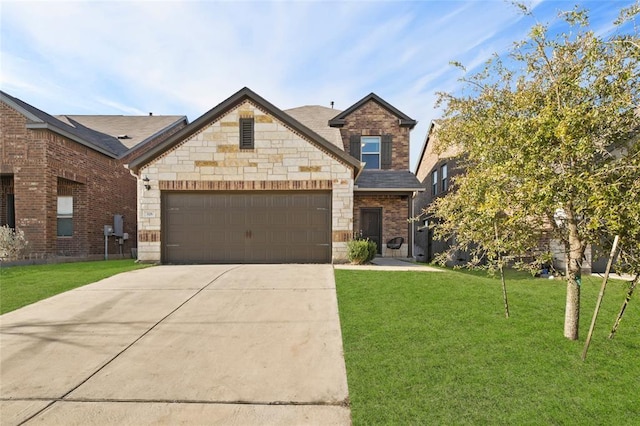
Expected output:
(476, 222)
(541, 133)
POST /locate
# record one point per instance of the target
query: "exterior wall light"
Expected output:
(147, 186)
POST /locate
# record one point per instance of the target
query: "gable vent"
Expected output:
(246, 133)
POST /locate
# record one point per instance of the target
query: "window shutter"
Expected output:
(355, 146)
(386, 149)
(246, 133)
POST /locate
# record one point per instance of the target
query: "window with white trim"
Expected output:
(370, 151)
(444, 172)
(434, 182)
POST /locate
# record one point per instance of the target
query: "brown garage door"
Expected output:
(246, 227)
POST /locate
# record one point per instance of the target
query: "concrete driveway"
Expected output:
(211, 344)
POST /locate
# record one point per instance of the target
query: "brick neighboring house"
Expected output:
(63, 178)
(434, 170)
(250, 183)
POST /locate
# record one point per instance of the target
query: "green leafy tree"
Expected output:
(543, 133)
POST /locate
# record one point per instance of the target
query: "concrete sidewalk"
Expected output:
(251, 344)
(390, 264)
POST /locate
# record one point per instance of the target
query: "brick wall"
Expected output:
(425, 246)
(38, 160)
(395, 212)
(371, 119)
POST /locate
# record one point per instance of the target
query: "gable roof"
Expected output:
(37, 119)
(404, 120)
(225, 106)
(432, 128)
(130, 130)
(99, 133)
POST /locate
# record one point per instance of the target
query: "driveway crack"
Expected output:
(116, 356)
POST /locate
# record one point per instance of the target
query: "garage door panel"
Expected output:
(235, 217)
(277, 219)
(278, 238)
(319, 218)
(297, 219)
(242, 227)
(236, 202)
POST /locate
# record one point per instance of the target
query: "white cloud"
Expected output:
(175, 57)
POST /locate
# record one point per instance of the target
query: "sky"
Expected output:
(185, 57)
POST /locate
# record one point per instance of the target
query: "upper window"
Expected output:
(444, 177)
(246, 133)
(370, 151)
(434, 182)
(65, 216)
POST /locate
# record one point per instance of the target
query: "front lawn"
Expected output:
(23, 285)
(435, 348)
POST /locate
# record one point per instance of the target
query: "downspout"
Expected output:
(411, 225)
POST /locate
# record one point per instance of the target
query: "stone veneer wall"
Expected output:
(281, 159)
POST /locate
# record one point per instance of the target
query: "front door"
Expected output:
(371, 225)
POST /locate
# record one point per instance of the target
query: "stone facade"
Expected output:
(212, 160)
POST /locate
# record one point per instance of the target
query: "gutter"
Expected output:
(155, 135)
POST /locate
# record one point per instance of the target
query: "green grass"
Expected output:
(435, 348)
(23, 285)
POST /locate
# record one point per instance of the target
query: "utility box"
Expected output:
(108, 230)
(118, 225)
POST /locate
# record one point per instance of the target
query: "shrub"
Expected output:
(12, 243)
(361, 251)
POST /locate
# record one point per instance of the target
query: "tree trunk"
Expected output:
(574, 276)
(572, 308)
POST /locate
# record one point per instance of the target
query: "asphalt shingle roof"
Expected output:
(136, 128)
(96, 140)
(97, 132)
(387, 180)
(316, 118)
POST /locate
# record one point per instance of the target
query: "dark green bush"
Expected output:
(361, 251)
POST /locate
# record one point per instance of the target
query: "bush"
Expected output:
(12, 243)
(361, 251)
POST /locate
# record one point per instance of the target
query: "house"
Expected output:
(248, 182)
(63, 178)
(434, 170)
